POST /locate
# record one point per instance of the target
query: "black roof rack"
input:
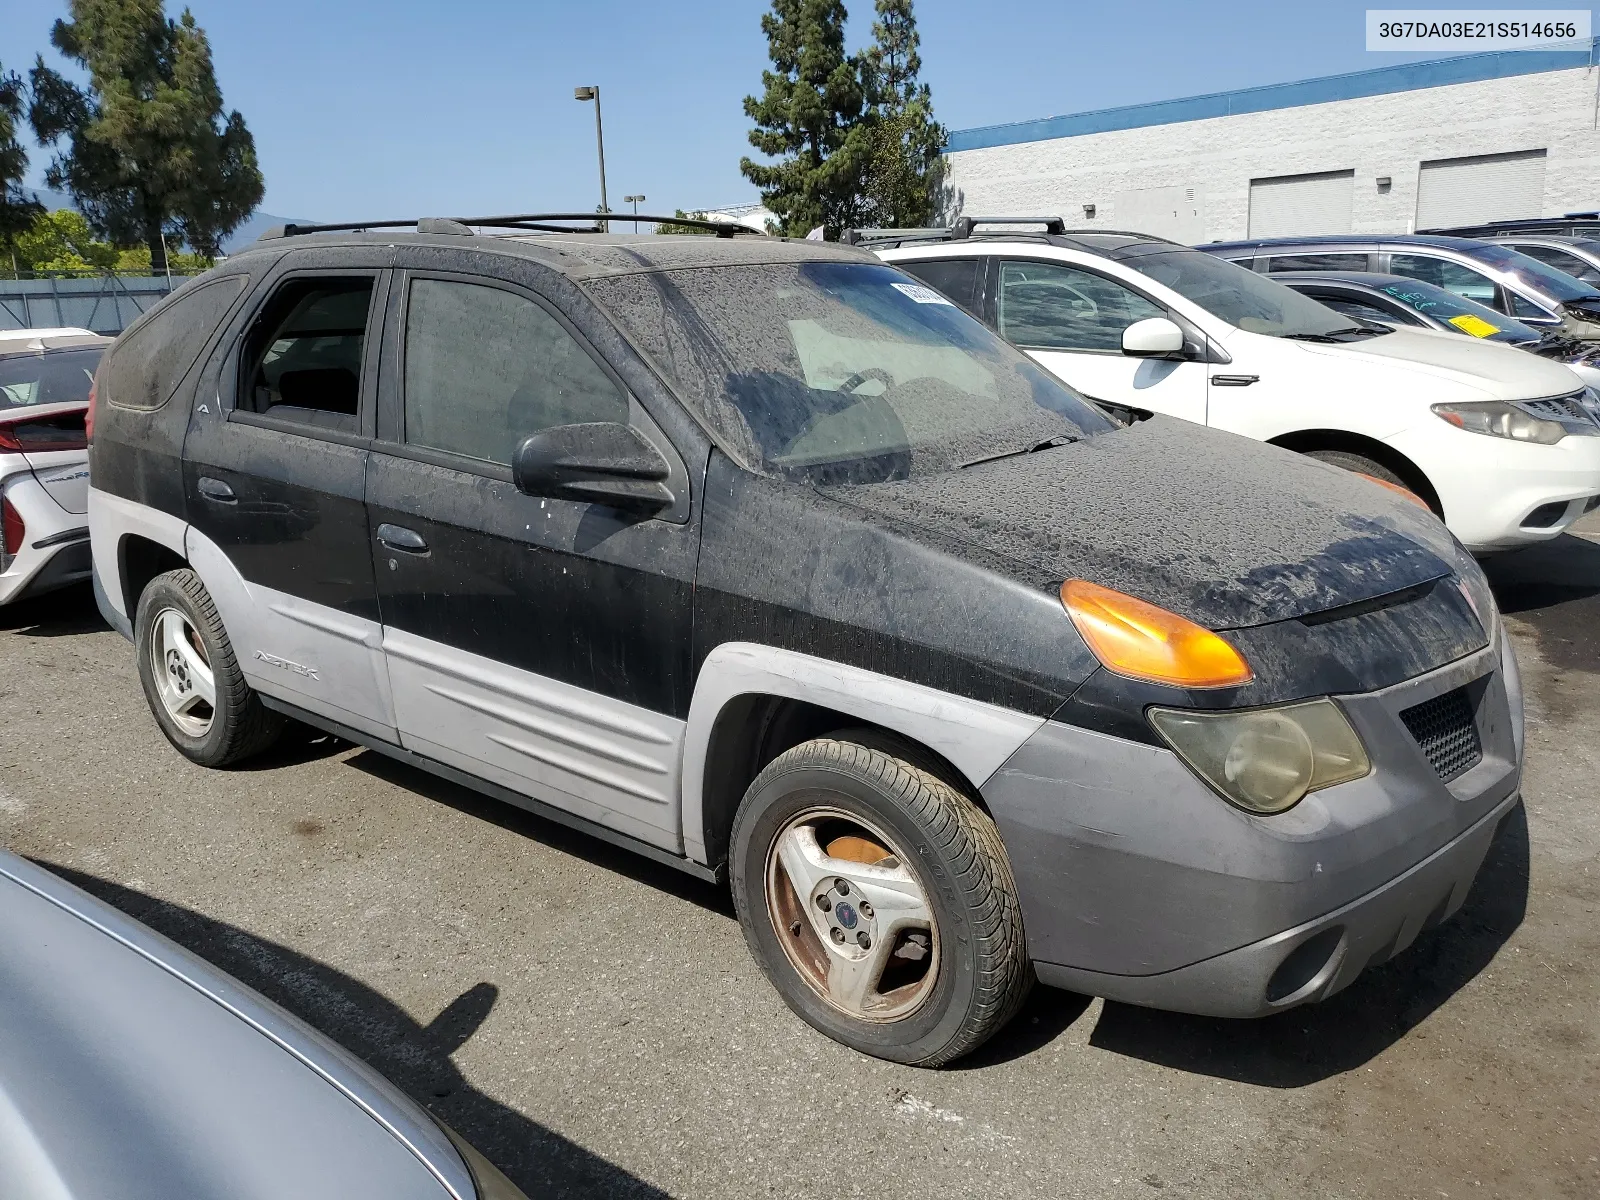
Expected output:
(534, 222)
(1055, 231)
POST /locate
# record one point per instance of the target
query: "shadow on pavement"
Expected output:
(1309, 1044)
(415, 1057)
(55, 614)
(591, 849)
(1553, 587)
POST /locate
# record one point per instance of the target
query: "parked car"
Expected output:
(1499, 443)
(1577, 256)
(764, 560)
(134, 1068)
(1396, 300)
(1583, 223)
(45, 377)
(1496, 276)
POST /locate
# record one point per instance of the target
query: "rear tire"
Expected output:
(191, 679)
(951, 967)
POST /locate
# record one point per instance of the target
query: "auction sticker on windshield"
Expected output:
(1474, 324)
(922, 295)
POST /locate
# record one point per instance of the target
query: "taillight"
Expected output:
(88, 415)
(12, 530)
(61, 431)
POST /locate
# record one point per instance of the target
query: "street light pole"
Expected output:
(634, 200)
(593, 93)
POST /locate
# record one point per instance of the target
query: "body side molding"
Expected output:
(976, 737)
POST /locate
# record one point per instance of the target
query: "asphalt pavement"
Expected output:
(595, 1025)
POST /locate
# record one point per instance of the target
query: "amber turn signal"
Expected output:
(1142, 641)
(1396, 489)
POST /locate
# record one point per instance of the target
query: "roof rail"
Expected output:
(536, 222)
(964, 227)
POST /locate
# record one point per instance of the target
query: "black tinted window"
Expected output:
(148, 362)
(955, 277)
(1056, 307)
(54, 377)
(486, 368)
(303, 356)
(1563, 260)
(1315, 262)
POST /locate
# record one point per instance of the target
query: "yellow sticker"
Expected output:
(1475, 325)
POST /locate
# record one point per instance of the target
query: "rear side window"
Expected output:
(302, 359)
(1314, 262)
(1055, 307)
(147, 364)
(485, 368)
(955, 277)
(54, 377)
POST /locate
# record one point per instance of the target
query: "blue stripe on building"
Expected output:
(1407, 77)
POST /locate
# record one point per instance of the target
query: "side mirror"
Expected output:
(601, 463)
(1154, 337)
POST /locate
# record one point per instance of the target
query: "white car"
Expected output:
(45, 377)
(1503, 445)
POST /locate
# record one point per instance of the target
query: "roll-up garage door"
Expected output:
(1486, 187)
(1293, 205)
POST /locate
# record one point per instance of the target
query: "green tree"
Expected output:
(149, 152)
(810, 119)
(906, 173)
(17, 208)
(668, 227)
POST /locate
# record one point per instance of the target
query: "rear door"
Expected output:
(1071, 320)
(541, 644)
(275, 467)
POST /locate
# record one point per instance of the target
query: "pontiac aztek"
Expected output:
(764, 559)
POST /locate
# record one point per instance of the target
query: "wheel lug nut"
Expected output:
(842, 886)
(863, 940)
(837, 934)
(866, 910)
(824, 903)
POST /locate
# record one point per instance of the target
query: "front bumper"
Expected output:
(1138, 883)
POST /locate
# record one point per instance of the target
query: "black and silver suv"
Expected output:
(765, 560)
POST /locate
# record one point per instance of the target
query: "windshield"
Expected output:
(1239, 296)
(839, 372)
(1457, 311)
(1537, 275)
(50, 377)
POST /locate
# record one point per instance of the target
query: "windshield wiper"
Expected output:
(1060, 439)
(1335, 336)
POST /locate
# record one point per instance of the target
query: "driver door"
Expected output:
(1071, 321)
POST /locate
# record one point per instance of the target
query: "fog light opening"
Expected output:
(1545, 515)
(1308, 966)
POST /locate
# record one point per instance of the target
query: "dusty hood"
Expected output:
(1226, 531)
(1494, 371)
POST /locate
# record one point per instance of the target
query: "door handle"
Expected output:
(215, 489)
(398, 537)
(1234, 380)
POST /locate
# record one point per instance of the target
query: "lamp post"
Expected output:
(634, 200)
(593, 93)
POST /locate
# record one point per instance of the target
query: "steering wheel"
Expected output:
(860, 377)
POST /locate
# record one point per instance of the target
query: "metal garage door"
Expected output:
(1292, 205)
(1486, 187)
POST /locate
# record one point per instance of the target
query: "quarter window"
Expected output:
(1055, 307)
(1451, 276)
(485, 368)
(955, 277)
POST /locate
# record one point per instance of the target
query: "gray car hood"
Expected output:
(1220, 529)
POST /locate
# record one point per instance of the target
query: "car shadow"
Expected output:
(711, 897)
(415, 1057)
(1306, 1045)
(62, 613)
(1553, 587)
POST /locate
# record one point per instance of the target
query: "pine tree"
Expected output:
(17, 208)
(149, 151)
(810, 118)
(906, 174)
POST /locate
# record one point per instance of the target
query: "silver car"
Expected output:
(133, 1069)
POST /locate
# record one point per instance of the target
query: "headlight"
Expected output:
(1265, 760)
(1499, 419)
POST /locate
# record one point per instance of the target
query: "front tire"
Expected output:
(191, 679)
(1347, 460)
(878, 899)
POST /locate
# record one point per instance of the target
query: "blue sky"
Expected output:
(367, 110)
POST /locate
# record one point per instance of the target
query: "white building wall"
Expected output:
(1376, 136)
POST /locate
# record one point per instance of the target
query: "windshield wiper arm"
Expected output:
(1335, 336)
(1060, 439)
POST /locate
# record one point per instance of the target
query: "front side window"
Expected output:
(485, 368)
(51, 377)
(1243, 298)
(303, 356)
(1441, 272)
(840, 372)
(1049, 306)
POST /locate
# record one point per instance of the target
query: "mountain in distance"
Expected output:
(252, 228)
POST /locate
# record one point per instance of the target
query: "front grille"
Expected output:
(1559, 408)
(1445, 729)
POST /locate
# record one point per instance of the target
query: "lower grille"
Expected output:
(1445, 729)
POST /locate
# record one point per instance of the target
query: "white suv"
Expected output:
(1503, 445)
